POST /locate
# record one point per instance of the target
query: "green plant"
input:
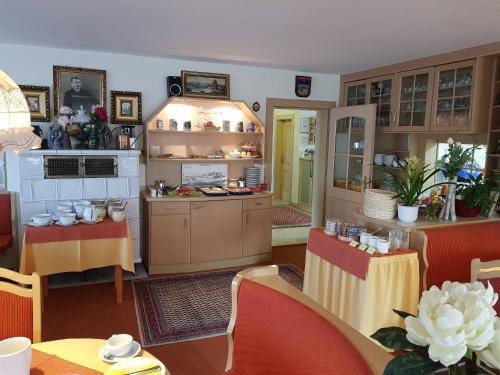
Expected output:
(408, 182)
(475, 191)
(454, 160)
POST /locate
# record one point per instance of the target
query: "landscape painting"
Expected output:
(205, 85)
(204, 174)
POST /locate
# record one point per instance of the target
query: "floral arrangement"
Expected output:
(64, 116)
(98, 115)
(456, 325)
(432, 202)
(410, 181)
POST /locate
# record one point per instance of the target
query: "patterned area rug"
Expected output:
(192, 306)
(289, 216)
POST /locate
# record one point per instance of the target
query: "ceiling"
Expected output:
(329, 36)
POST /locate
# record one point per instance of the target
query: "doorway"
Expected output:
(283, 158)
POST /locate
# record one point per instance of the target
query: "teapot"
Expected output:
(90, 213)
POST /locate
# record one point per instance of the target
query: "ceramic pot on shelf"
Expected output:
(379, 159)
(408, 214)
(388, 159)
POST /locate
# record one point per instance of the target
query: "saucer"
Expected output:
(67, 225)
(32, 224)
(135, 348)
(134, 363)
(91, 222)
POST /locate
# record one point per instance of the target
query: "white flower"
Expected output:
(450, 141)
(491, 355)
(459, 144)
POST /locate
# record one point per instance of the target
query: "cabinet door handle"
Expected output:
(197, 207)
(185, 222)
(394, 117)
(246, 219)
(259, 204)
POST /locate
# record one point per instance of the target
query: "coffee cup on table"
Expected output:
(382, 246)
(15, 356)
(41, 219)
(120, 344)
(364, 238)
(372, 241)
(67, 219)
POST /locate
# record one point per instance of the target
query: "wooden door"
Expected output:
(306, 172)
(257, 231)
(414, 99)
(216, 230)
(349, 164)
(170, 239)
(283, 162)
(381, 91)
(453, 94)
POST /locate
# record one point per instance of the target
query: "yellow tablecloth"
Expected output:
(366, 305)
(48, 258)
(84, 352)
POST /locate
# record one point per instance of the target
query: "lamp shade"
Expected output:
(16, 133)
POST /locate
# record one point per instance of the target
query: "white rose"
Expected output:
(450, 141)
(479, 320)
(488, 294)
(491, 355)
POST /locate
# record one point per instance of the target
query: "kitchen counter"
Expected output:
(165, 198)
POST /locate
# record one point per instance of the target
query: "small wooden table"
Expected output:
(56, 249)
(84, 352)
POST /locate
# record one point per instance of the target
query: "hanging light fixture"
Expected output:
(16, 133)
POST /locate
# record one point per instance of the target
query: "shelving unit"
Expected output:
(493, 145)
(183, 144)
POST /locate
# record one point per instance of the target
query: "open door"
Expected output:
(350, 156)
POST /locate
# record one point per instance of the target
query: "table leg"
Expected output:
(119, 284)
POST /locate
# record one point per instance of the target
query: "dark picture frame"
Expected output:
(75, 87)
(38, 99)
(303, 86)
(205, 85)
(126, 107)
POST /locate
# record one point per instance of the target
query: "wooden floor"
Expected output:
(91, 311)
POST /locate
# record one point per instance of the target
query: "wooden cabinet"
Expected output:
(170, 243)
(257, 230)
(355, 93)
(413, 100)
(306, 172)
(381, 91)
(216, 230)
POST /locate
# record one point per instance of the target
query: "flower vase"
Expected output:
(448, 212)
(431, 212)
(93, 138)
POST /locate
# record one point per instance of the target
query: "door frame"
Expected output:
(292, 119)
(323, 119)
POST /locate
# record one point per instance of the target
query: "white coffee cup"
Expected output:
(15, 356)
(80, 207)
(41, 219)
(67, 219)
(119, 344)
(382, 246)
(65, 206)
(90, 214)
(364, 238)
(372, 241)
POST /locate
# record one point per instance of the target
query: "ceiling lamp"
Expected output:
(16, 133)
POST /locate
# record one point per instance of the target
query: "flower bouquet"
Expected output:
(455, 329)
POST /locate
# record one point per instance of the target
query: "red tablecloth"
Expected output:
(342, 255)
(56, 233)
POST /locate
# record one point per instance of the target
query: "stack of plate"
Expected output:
(252, 176)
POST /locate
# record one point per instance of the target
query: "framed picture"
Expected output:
(38, 98)
(204, 174)
(126, 107)
(205, 85)
(303, 86)
(79, 88)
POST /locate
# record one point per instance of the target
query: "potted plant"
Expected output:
(475, 196)
(408, 183)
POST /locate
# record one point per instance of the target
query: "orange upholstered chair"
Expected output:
(5, 223)
(487, 271)
(276, 329)
(20, 305)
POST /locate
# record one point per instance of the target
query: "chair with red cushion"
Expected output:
(276, 329)
(5, 223)
(20, 305)
(487, 271)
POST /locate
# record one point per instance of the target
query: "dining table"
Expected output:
(55, 249)
(71, 356)
(361, 288)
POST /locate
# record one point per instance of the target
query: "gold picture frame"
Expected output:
(79, 87)
(38, 99)
(126, 107)
(205, 85)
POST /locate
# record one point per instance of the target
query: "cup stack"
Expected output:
(252, 176)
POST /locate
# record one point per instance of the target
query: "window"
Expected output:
(476, 168)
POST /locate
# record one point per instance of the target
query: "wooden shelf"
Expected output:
(204, 159)
(494, 130)
(496, 106)
(202, 132)
(494, 155)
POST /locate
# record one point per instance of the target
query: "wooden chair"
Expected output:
(487, 271)
(275, 328)
(20, 305)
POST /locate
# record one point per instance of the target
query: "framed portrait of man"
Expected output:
(79, 88)
(126, 107)
(38, 101)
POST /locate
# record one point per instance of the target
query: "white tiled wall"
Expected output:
(40, 195)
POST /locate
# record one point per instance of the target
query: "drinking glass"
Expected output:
(395, 239)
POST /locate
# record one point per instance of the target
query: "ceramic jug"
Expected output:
(90, 213)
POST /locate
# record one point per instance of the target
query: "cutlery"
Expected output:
(145, 371)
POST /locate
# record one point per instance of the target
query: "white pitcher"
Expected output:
(90, 213)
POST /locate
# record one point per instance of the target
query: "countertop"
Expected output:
(148, 198)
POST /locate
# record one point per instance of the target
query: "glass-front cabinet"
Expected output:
(453, 90)
(355, 93)
(413, 101)
(381, 92)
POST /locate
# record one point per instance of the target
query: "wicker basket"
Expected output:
(378, 204)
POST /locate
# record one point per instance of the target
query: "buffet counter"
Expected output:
(186, 234)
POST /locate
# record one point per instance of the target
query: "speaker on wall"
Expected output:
(174, 86)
